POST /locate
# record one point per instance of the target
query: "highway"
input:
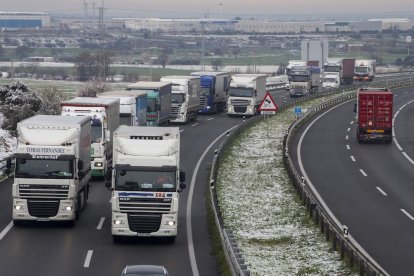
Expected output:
(368, 187)
(88, 249)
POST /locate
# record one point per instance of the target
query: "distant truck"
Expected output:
(104, 116)
(344, 67)
(53, 168)
(158, 101)
(289, 67)
(145, 182)
(133, 106)
(245, 94)
(214, 87)
(304, 80)
(185, 98)
(374, 114)
(364, 69)
(330, 81)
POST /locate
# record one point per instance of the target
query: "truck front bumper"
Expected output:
(41, 210)
(241, 110)
(98, 166)
(120, 226)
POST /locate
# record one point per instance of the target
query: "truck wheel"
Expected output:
(18, 223)
(187, 118)
(170, 239)
(117, 239)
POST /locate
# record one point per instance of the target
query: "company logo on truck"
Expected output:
(45, 150)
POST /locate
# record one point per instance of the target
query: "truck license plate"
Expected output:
(43, 219)
(143, 234)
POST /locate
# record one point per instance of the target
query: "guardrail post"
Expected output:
(361, 267)
(334, 240)
(327, 230)
(351, 258)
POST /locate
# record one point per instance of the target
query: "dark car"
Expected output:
(144, 270)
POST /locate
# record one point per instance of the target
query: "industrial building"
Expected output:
(261, 26)
(27, 20)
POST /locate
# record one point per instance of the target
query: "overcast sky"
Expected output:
(228, 8)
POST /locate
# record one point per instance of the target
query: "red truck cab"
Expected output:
(374, 111)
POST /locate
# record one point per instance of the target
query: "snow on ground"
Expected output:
(7, 143)
(259, 204)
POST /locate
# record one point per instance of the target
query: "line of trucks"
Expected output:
(117, 136)
(305, 77)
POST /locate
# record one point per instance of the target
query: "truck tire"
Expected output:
(117, 239)
(170, 239)
(18, 223)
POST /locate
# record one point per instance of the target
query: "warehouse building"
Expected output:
(24, 20)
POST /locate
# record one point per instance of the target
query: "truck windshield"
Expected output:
(44, 168)
(361, 69)
(299, 78)
(125, 119)
(329, 80)
(177, 98)
(241, 92)
(163, 181)
(96, 131)
(205, 91)
(332, 68)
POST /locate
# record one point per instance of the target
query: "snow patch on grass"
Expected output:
(259, 204)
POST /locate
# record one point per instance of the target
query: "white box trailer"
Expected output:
(364, 69)
(246, 93)
(104, 114)
(185, 97)
(53, 168)
(145, 182)
(133, 106)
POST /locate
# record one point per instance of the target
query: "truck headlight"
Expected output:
(67, 208)
(18, 207)
(170, 222)
(98, 164)
(208, 107)
(118, 222)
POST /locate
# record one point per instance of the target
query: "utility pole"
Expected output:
(102, 58)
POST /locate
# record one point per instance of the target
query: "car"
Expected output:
(144, 270)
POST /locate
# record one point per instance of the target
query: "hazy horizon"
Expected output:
(226, 9)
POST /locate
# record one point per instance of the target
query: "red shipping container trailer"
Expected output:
(374, 109)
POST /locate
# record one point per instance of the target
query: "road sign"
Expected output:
(298, 110)
(268, 104)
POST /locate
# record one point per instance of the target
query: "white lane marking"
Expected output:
(397, 144)
(348, 147)
(349, 129)
(190, 241)
(209, 119)
(346, 137)
(6, 230)
(182, 130)
(194, 124)
(381, 191)
(363, 173)
(408, 157)
(88, 258)
(396, 113)
(110, 201)
(407, 214)
(353, 158)
(352, 122)
(101, 222)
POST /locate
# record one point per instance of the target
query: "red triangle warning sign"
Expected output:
(268, 104)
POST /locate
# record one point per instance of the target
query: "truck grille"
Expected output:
(144, 223)
(43, 208)
(243, 103)
(41, 191)
(145, 205)
(175, 110)
(203, 102)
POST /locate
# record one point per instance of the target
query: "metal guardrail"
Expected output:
(329, 225)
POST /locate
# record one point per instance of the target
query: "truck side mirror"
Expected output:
(355, 108)
(107, 135)
(108, 186)
(8, 163)
(182, 176)
(108, 175)
(80, 165)
(182, 187)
